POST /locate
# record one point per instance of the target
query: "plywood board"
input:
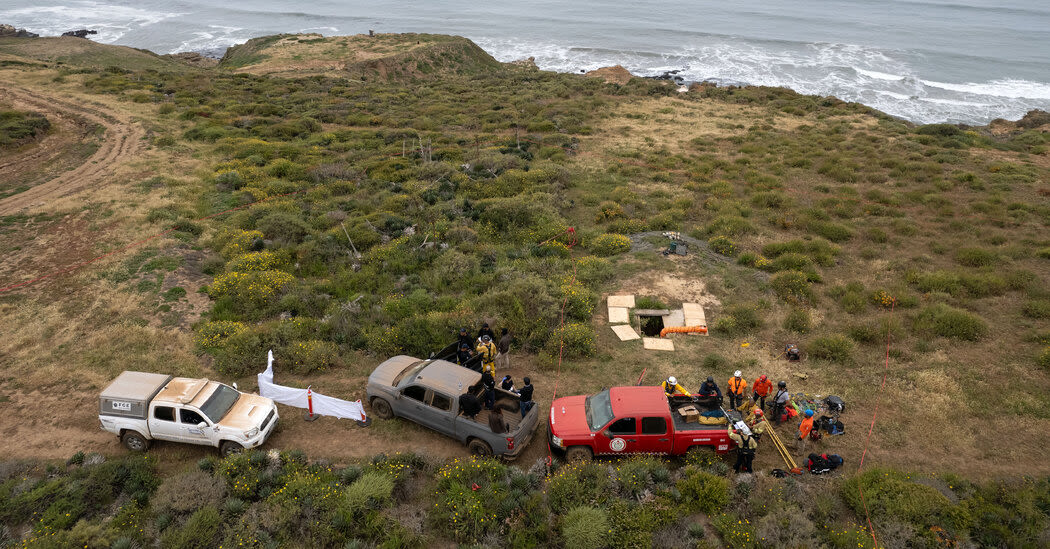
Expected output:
(625, 332)
(618, 315)
(657, 344)
(621, 301)
(694, 314)
(674, 320)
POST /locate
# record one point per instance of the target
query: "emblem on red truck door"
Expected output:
(617, 444)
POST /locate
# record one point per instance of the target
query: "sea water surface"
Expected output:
(923, 60)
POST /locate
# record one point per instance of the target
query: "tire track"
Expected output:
(121, 140)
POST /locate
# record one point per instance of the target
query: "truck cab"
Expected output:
(139, 407)
(627, 420)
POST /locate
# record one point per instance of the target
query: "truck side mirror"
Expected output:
(235, 386)
(202, 424)
(607, 433)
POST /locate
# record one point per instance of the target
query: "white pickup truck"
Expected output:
(139, 407)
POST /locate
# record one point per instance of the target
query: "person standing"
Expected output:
(525, 396)
(464, 354)
(490, 389)
(804, 429)
(487, 350)
(745, 450)
(464, 339)
(761, 389)
(503, 358)
(486, 331)
(780, 401)
(735, 389)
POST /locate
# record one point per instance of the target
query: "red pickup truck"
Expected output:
(627, 420)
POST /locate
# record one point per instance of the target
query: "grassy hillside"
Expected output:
(80, 53)
(359, 57)
(338, 219)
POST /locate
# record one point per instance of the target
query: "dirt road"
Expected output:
(121, 140)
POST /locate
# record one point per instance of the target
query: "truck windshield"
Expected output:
(220, 402)
(410, 372)
(599, 410)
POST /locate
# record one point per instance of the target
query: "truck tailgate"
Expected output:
(525, 432)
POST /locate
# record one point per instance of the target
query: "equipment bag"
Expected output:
(835, 404)
(818, 464)
(836, 461)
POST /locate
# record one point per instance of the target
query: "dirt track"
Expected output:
(121, 139)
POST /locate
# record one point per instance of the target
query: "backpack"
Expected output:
(745, 442)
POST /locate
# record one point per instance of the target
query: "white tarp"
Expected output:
(323, 405)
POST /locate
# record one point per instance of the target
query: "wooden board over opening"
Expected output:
(621, 301)
(618, 315)
(657, 344)
(625, 332)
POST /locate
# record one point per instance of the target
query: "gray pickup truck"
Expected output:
(427, 392)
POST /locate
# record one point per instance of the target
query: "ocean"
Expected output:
(959, 61)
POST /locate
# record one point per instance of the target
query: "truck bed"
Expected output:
(509, 402)
(681, 425)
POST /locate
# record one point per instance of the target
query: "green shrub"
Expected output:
(188, 492)
(311, 356)
(834, 348)
(831, 231)
(255, 287)
(610, 244)
(789, 262)
(792, 287)
(722, 245)
(1036, 308)
(256, 261)
(747, 259)
(701, 491)
(593, 270)
(371, 490)
(893, 495)
(798, 321)
(737, 320)
(576, 340)
(1043, 253)
(1044, 358)
(580, 483)
(736, 532)
(199, 532)
(946, 321)
(729, 225)
(585, 527)
(975, 257)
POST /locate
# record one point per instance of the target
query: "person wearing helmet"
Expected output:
(746, 446)
(804, 429)
(756, 420)
(671, 387)
(487, 350)
(735, 390)
(760, 390)
(780, 401)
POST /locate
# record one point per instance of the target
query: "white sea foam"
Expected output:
(213, 40)
(1017, 89)
(110, 20)
(880, 75)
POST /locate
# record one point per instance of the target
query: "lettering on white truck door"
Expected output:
(191, 430)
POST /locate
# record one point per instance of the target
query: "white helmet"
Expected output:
(672, 380)
(736, 373)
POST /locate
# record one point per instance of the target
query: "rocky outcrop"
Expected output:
(194, 58)
(529, 63)
(612, 75)
(82, 33)
(7, 31)
(1035, 119)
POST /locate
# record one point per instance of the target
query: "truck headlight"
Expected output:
(251, 432)
(556, 440)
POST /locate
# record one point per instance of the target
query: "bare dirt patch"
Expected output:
(121, 141)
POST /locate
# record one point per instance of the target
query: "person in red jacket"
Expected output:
(761, 389)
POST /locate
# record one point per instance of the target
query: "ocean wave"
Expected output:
(112, 21)
(1014, 89)
(213, 41)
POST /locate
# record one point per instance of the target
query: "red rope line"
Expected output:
(871, 428)
(561, 335)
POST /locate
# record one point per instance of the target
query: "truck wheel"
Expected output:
(134, 441)
(228, 448)
(479, 447)
(578, 453)
(382, 409)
